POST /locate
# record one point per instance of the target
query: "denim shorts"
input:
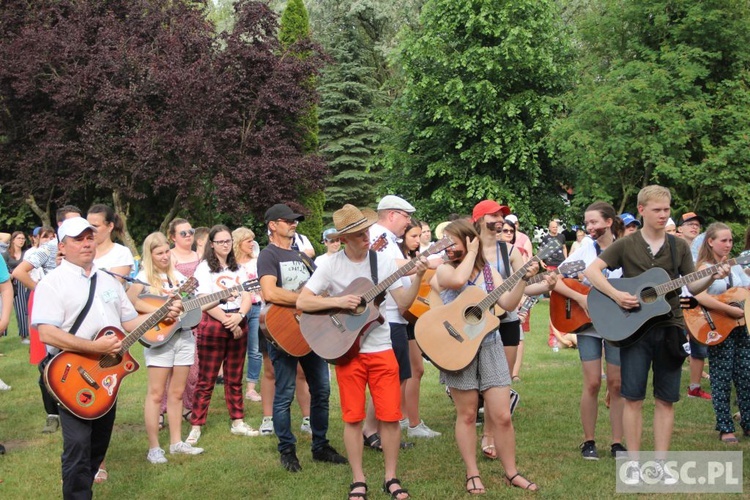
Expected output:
(697, 350)
(590, 349)
(636, 361)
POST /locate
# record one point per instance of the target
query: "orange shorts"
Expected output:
(379, 371)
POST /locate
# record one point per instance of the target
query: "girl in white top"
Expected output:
(171, 359)
(109, 255)
(603, 226)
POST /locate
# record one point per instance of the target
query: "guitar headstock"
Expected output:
(570, 269)
(251, 285)
(438, 246)
(379, 243)
(188, 287)
(551, 247)
(743, 258)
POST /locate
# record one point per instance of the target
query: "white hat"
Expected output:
(392, 202)
(670, 222)
(73, 227)
(512, 218)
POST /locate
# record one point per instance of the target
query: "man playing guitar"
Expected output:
(60, 298)
(282, 271)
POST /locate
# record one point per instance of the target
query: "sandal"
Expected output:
(489, 451)
(101, 476)
(510, 482)
(395, 493)
(373, 441)
(357, 494)
(474, 490)
(728, 440)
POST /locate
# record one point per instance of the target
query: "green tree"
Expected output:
(662, 98)
(482, 85)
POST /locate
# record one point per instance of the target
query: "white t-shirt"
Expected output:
(118, 256)
(209, 282)
(337, 272)
(62, 294)
(587, 253)
(393, 252)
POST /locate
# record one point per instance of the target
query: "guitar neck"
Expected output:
(201, 301)
(669, 286)
(540, 277)
(507, 285)
(144, 327)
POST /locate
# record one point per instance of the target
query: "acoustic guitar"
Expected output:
(163, 332)
(280, 324)
(87, 385)
(335, 334)
(624, 327)
(424, 299)
(450, 335)
(713, 327)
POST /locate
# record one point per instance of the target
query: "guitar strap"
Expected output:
(374, 274)
(502, 249)
(85, 310)
(673, 250)
(309, 264)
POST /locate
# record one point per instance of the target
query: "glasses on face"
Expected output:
(692, 224)
(187, 233)
(334, 240)
(289, 222)
(508, 231)
(222, 242)
(402, 213)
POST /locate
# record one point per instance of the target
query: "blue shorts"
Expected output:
(697, 350)
(590, 349)
(636, 361)
(400, 344)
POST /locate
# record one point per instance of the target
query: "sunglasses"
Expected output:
(290, 222)
(187, 233)
(508, 231)
(332, 240)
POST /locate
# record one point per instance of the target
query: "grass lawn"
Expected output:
(547, 424)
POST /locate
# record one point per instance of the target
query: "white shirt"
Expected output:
(209, 282)
(337, 272)
(393, 252)
(118, 256)
(62, 294)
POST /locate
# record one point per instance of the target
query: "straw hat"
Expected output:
(349, 219)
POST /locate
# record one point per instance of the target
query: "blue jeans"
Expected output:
(254, 357)
(316, 372)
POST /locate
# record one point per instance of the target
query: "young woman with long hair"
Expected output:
(20, 292)
(171, 360)
(111, 256)
(729, 361)
(221, 336)
(603, 226)
(488, 374)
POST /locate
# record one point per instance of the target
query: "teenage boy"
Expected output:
(644, 250)
(375, 365)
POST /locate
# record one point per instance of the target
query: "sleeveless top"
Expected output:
(187, 268)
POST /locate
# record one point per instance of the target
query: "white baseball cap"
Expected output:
(73, 227)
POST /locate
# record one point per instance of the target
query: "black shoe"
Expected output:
(290, 461)
(220, 380)
(617, 447)
(2, 450)
(328, 454)
(588, 451)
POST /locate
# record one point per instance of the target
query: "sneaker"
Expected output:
(253, 396)
(588, 450)
(664, 475)
(290, 461)
(156, 456)
(328, 454)
(242, 429)
(26, 341)
(305, 427)
(51, 425)
(404, 423)
(698, 393)
(266, 426)
(182, 448)
(194, 436)
(617, 447)
(4, 386)
(421, 431)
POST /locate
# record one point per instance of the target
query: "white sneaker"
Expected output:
(404, 423)
(266, 426)
(4, 386)
(194, 436)
(184, 449)
(305, 427)
(156, 456)
(422, 431)
(242, 429)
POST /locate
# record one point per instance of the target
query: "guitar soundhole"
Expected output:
(362, 307)
(472, 315)
(110, 360)
(648, 295)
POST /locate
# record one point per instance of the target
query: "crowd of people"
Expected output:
(70, 283)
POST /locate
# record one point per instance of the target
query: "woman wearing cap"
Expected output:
(332, 243)
(488, 374)
(221, 336)
(730, 359)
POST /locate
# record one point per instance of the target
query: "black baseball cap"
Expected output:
(281, 211)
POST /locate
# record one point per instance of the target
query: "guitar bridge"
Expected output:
(452, 331)
(88, 378)
(337, 323)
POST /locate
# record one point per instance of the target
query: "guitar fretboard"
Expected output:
(199, 302)
(669, 286)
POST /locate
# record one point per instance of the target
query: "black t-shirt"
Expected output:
(285, 265)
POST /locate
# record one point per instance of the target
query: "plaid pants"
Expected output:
(216, 345)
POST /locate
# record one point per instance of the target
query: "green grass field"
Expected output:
(547, 427)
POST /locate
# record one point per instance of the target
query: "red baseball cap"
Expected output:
(488, 207)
